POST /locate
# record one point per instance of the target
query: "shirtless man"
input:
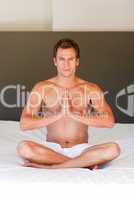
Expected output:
(66, 105)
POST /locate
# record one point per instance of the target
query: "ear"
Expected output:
(54, 60)
(77, 62)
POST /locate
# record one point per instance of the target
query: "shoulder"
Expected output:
(93, 86)
(41, 85)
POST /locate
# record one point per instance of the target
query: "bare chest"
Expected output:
(52, 100)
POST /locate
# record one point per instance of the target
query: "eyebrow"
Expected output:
(64, 58)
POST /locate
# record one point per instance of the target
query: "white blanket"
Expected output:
(121, 170)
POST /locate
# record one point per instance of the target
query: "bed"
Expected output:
(120, 170)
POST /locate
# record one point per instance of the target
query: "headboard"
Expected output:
(107, 59)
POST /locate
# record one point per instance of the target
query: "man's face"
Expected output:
(66, 62)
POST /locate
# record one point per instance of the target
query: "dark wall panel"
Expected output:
(107, 59)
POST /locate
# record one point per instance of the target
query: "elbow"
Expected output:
(111, 122)
(23, 128)
(23, 125)
(110, 125)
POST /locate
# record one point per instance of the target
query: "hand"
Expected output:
(66, 102)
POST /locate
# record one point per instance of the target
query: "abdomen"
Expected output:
(67, 132)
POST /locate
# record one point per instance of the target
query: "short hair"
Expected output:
(66, 43)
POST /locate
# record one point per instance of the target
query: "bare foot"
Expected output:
(53, 166)
(35, 165)
(93, 167)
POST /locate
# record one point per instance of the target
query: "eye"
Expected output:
(61, 59)
(71, 59)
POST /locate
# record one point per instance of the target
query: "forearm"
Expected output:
(34, 122)
(97, 121)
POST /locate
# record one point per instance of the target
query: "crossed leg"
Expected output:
(39, 155)
(93, 156)
(44, 157)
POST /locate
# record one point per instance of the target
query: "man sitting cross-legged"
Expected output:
(68, 105)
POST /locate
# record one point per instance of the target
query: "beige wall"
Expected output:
(66, 15)
(25, 15)
(93, 15)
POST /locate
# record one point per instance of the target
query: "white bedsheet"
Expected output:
(121, 170)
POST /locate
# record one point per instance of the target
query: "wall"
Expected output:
(66, 15)
(25, 15)
(88, 15)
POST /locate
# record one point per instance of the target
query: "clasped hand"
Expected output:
(66, 103)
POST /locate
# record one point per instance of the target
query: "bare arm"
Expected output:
(29, 122)
(99, 113)
(30, 118)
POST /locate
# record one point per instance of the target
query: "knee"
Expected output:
(25, 149)
(113, 151)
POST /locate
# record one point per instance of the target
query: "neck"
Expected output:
(66, 81)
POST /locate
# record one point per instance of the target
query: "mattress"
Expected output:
(120, 170)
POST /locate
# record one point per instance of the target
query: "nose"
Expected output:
(66, 63)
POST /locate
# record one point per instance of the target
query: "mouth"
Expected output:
(66, 70)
